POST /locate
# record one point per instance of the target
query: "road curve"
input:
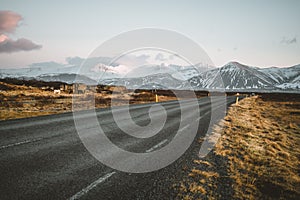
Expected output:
(44, 158)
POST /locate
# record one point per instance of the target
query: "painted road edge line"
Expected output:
(91, 186)
(157, 146)
(19, 143)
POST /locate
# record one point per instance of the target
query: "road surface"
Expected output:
(44, 158)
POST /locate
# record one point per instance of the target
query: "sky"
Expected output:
(257, 33)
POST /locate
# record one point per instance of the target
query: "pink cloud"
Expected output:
(9, 21)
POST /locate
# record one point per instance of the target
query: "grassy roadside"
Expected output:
(256, 157)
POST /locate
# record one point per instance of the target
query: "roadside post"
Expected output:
(237, 99)
(156, 96)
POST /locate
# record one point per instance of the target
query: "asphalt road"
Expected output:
(44, 158)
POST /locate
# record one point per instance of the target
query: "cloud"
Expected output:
(133, 60)
(160, 57)
(289, 40)
(9, 21)
(9, 46)
(50, 64)
(74, 60)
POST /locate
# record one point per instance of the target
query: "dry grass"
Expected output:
(256, 157)
(26, 101)
(203, 174)
(202, 162)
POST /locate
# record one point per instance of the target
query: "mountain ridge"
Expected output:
(231, 76)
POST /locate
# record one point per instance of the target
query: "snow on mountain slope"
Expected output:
(277, 74)
(158, 81)
(296, 79)
(231, 76)
(176, 71)
(286, 78)
(292, 72)
(282, 75)
(293, 76)
(187, 72)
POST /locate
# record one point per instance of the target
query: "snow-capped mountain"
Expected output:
(100, 70)
(232, 76)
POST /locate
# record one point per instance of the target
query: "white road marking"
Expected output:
(79, 194)
(19, 143)
(198, 119)
(157, 146)
(183, 128)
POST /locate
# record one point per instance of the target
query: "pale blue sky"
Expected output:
(256, 33)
